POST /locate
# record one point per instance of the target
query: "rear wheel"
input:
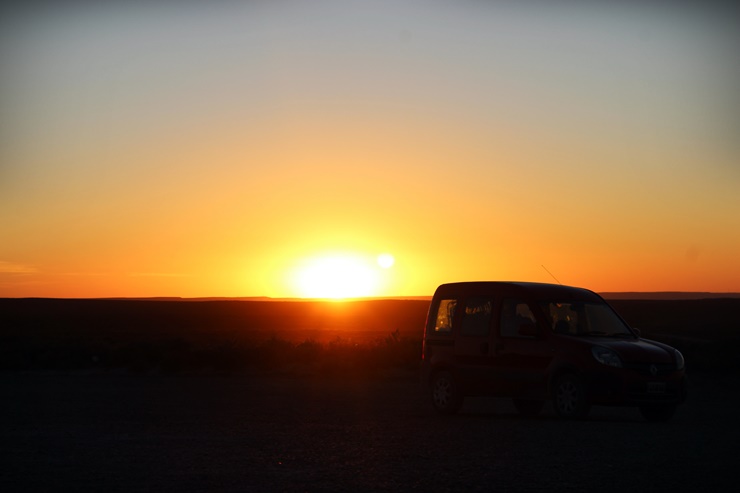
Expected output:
(528, 407)
(446, 397)
(658, 413)
(570, 397)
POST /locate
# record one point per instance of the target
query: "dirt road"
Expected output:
(73, 432)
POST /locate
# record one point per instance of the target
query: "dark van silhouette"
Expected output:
(536, 342)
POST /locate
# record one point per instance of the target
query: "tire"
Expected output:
(569, 397)
(446, 397)
(660, 413)
(528, 407)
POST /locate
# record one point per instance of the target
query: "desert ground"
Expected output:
(78, 431)
(129, 397)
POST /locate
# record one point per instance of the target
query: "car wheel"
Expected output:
(570, 397)
(446, 397)
(658, 413)
(528, 407)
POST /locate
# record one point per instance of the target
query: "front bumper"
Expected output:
(627, 386)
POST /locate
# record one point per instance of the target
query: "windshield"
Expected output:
(582, 318)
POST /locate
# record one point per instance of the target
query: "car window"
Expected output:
(563, 317)
(514, 314)
(477, 317)
(445, 316)
(581, 318)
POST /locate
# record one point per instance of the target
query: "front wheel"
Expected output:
(570, 397)
(446, 397)
(658, 413)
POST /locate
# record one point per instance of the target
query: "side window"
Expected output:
(514, 315)
(477, 317)
(580, 318)
(445, 315)
(564, 317)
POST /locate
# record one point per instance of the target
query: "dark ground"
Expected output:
(139, 396)
(67, 431)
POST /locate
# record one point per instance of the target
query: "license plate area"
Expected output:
(656, 388)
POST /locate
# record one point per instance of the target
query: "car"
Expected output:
(536, 342)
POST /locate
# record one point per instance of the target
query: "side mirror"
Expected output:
(528, 329)
(636, 331)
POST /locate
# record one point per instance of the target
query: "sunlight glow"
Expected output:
(294, 149)
(386, 260)
(337, 277)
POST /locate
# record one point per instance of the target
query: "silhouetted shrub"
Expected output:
(309, 352)
(397, 351)
(274, 354)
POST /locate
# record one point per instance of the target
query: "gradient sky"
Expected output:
(163, 150)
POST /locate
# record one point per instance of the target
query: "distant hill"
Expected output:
(267, 298)
(211, 298)
(629, 295)
(668, 295)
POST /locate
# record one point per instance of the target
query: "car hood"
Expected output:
(639, 350)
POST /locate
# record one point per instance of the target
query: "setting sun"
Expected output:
(386, 260)
(337, 277)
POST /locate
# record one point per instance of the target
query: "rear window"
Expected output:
(477, 317)
(444, 317)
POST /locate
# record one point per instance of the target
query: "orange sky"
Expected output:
(225, 151)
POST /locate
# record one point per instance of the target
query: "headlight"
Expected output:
(679, 359)
(606, 356)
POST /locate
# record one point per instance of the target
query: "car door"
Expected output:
(522, 351)
(473, 344)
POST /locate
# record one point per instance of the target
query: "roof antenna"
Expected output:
(551, 274)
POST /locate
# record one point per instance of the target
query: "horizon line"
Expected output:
(615, 295)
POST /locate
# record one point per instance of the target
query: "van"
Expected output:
(537, 342)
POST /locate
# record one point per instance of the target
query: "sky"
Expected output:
(278, 148)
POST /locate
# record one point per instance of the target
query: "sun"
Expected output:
(337, 277)
(386, 260)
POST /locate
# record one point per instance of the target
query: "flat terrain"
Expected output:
(150, 396)
(74, 431)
